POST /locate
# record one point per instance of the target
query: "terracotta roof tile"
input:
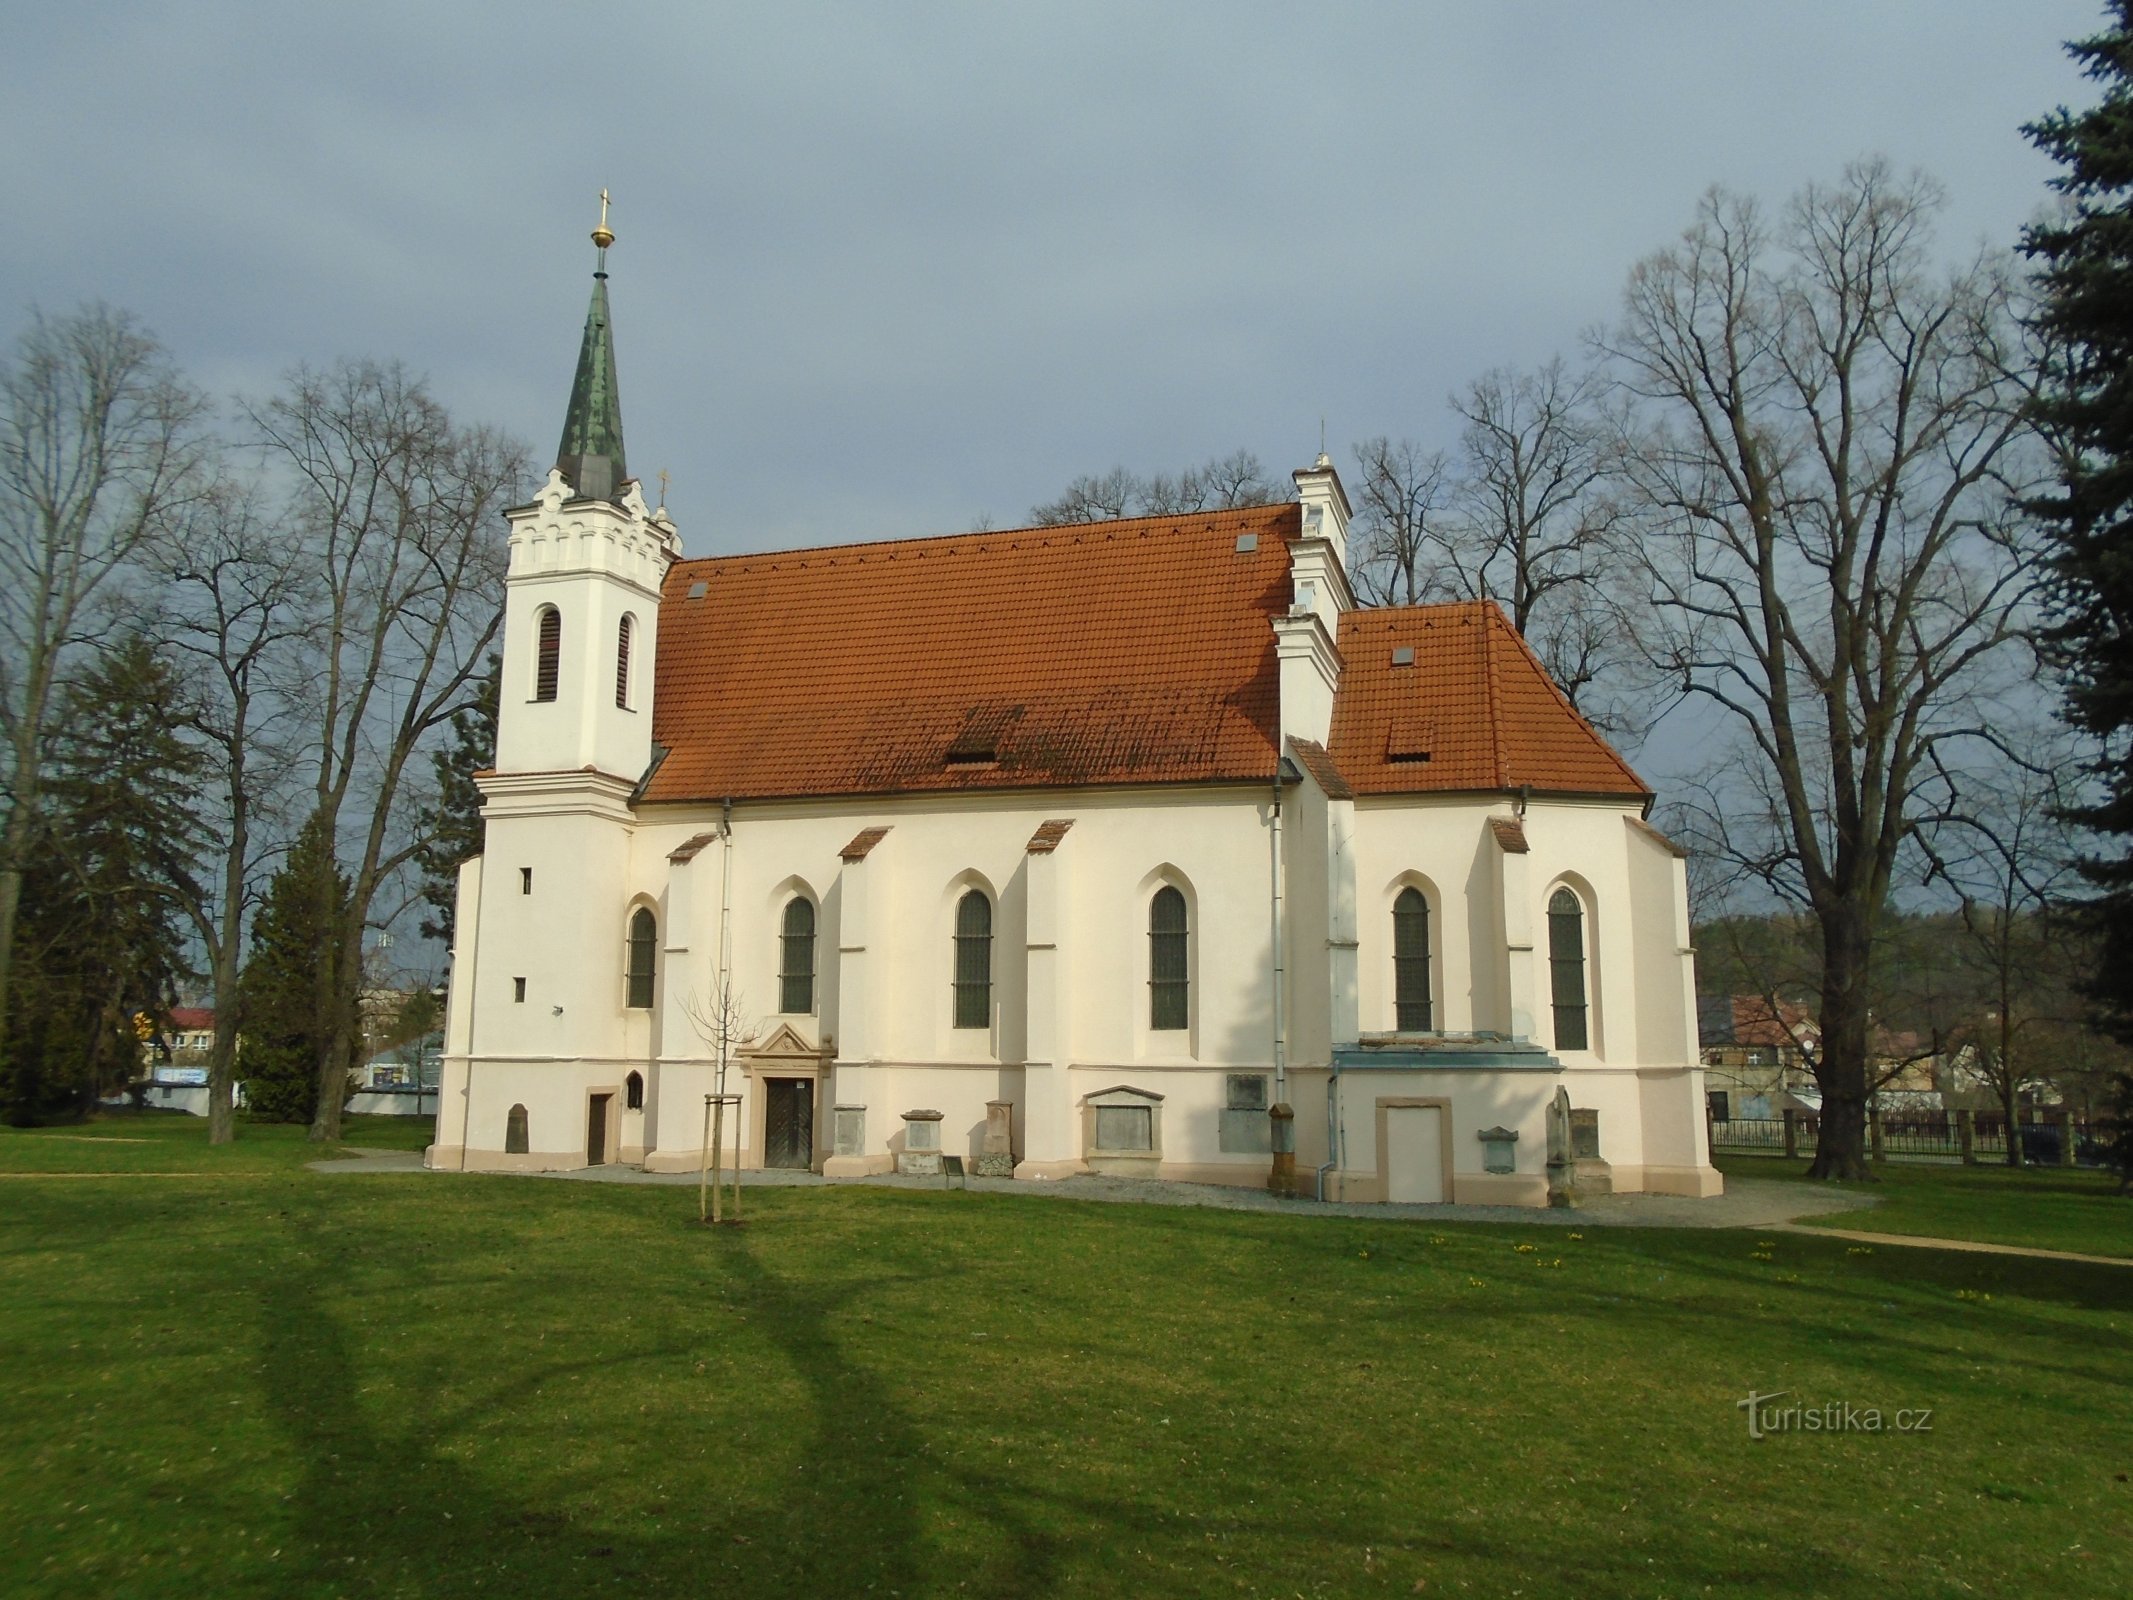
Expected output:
(1046, 839)
(1470, 709)
(862, 844)
(689, 849)
(1319, 764)
(1510, 835)
(1120, 652)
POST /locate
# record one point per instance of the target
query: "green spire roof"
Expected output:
(590, 457)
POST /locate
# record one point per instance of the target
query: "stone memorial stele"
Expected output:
(996, 1157)
(1562, 1165)
(851, 1130)
(921, 1154)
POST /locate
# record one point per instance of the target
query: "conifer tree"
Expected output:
(106, 899)
(289, 993)
(2084, 262)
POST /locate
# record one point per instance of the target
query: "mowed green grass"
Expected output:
(294, 1384)
(2037, 1208)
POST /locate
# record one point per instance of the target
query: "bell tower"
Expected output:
(581, 597)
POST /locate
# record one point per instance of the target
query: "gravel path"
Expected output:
(1747, 1202)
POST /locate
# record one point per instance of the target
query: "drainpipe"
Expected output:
(723, 999)
(1281, 1017)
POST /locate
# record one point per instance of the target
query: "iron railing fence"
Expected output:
(1920, 1136)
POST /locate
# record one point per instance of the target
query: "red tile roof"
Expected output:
(1048, 836)
(1314, 760)
(1137, 651)
(1472, 710)
(862, 844)
(1510, 836)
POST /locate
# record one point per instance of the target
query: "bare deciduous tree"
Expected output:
(1227, 481)
(233, 611)
(1399, 551)
(1518, 517)
(395, 509)
(101, 445)
(1817, 449)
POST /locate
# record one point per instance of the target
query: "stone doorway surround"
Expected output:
(783, 1053)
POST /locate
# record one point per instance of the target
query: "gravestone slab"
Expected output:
(996, 1157)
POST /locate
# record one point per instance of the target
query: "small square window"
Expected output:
(518, 991)
(525, 880)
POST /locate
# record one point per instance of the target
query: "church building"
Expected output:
(1107, 839)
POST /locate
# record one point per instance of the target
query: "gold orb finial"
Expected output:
(603, 235)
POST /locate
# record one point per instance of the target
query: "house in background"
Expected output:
(1758, 1056)
(1075, 848)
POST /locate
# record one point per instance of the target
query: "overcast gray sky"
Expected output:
(886, 269)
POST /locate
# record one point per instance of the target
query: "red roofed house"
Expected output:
(1126, 831)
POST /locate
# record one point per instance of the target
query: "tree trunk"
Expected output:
(1841, 1067)
(2009, 1108)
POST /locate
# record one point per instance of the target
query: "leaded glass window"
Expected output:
(973, 961)
(796, 962)
(644, 954)
(1168, 996)
(1410, 962)
(1566, 968)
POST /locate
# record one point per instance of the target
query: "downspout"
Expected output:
(1333, 1123)
(1281, 1015)
(724, 1000)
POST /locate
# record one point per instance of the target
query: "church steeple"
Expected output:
(590, 456)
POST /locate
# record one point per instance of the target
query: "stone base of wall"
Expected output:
(1698, 1183)
(1049, 1169)
(857, 1166)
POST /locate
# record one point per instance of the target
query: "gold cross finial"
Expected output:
(603, 236)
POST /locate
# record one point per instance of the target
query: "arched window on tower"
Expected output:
(796, 958)
(623, 631)
(549, 660)
(1410, 962)
(1168, 996)
(1566, 969)
(644, 955)
(973, 961)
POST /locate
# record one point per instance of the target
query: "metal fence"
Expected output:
(1920, 1136)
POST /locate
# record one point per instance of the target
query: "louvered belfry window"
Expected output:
(796, 959)
(1410, 962)
(644, 952)
(622, 662)
(973, 961)
(550, 659)
(1566, 968)
(1168, 996)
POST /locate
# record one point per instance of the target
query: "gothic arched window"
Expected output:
(1168, 997)
(1566, 969)
(633, 1091)
(1410, 962)
(623, 630)
(796, 958)
(549, 660)
(644, 956)
(973, 961)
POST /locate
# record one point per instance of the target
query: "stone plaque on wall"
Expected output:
(1584, 1134)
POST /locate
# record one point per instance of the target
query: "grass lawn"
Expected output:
(2044, 1208)
(290, 1384)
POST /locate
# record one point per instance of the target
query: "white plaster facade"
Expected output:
(1296, 876)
